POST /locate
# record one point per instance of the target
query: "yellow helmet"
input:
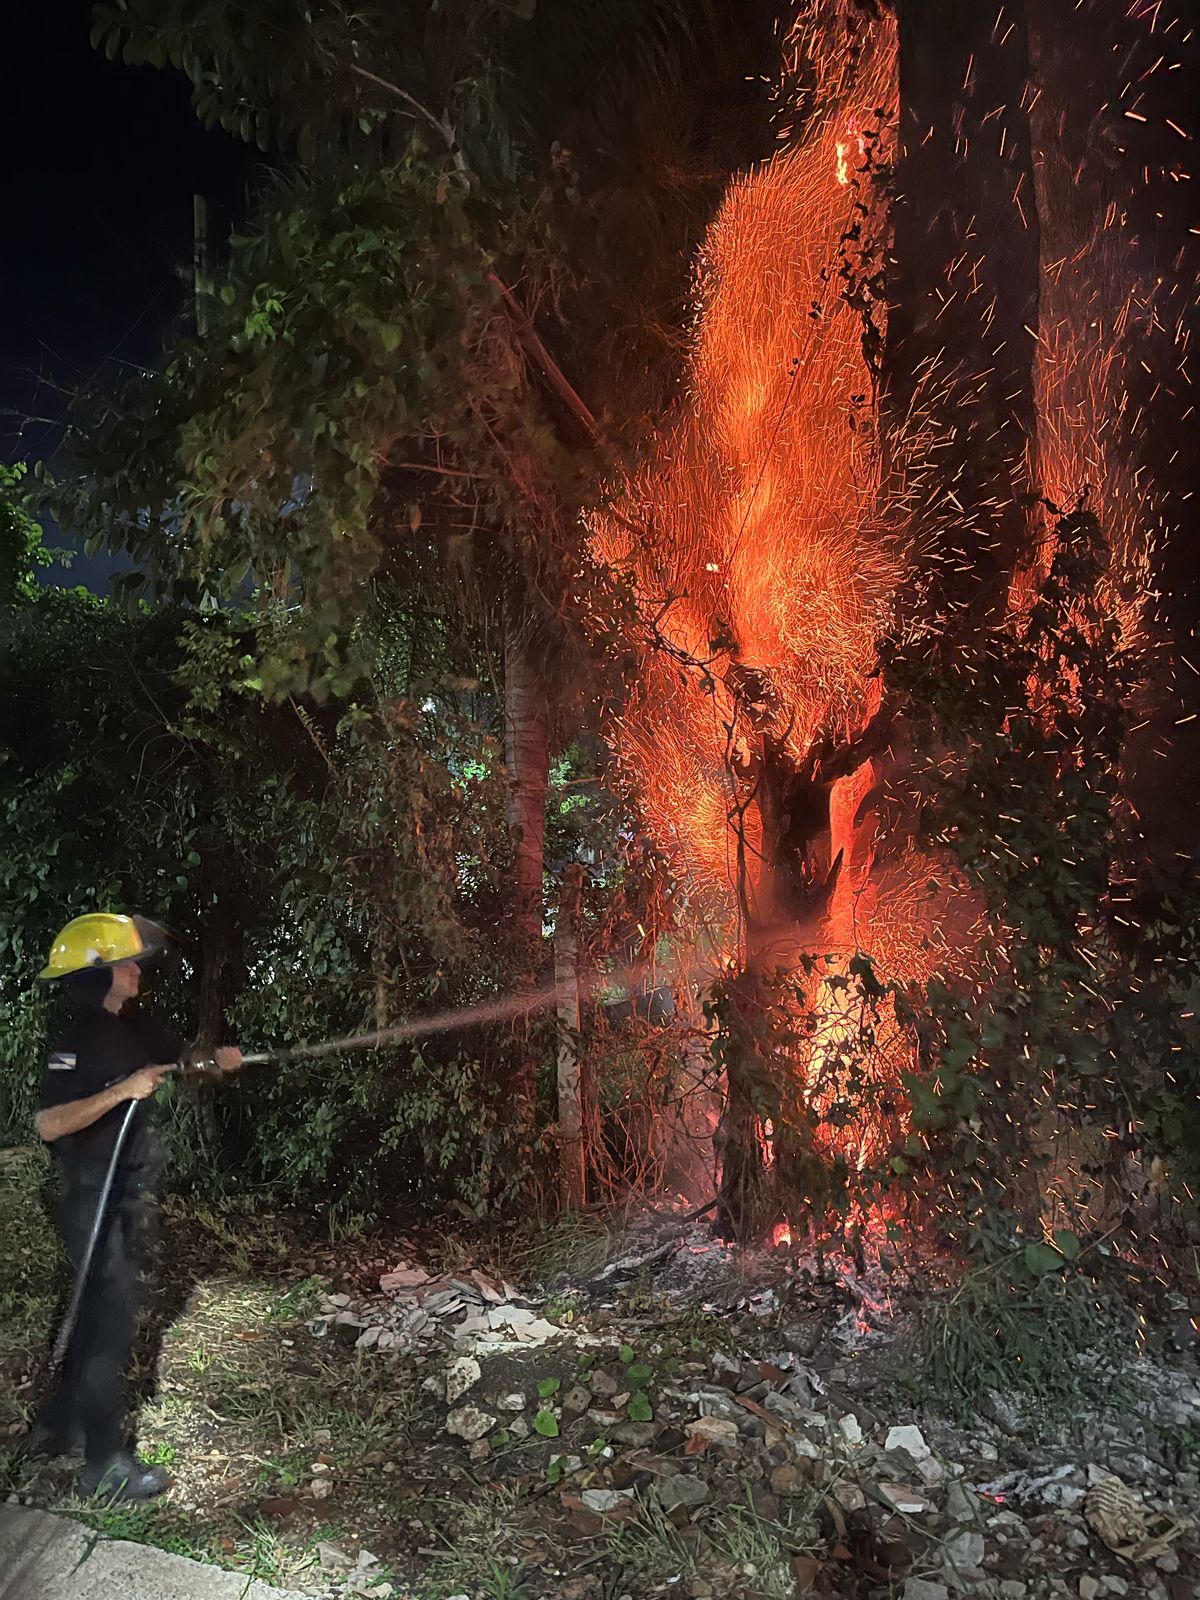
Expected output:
(102, 939)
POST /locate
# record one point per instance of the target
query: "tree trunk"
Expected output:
(959, 406)
(527, 763)
(222, 972)
(572, 1166)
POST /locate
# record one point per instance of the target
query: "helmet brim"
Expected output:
(155, 940)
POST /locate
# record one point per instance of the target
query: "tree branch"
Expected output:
(534, 347)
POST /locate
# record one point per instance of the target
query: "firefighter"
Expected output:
(107, 1056)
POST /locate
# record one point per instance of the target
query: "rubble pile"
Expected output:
(612, 1427)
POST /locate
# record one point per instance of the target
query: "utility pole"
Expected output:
(200, 273)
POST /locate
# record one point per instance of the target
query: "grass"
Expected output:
(479, 1553)
(652, 1548)
(761, 1550)
(537, 1251)
(1045, 1342)
(156, 1523)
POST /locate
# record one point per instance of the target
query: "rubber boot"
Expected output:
(122, 1477)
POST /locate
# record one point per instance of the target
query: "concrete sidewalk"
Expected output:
(46, 1557)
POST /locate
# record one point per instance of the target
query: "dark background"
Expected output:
(101, 163)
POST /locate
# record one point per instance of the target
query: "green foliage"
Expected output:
(1083, 1014)
(21, 547)
(327, 868)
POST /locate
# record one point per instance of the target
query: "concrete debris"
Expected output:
(470, 1423)
(713, 1430)
(605, 1501)
(921, 1589)
(683, 1491)
(910, 1440)
(788, 1420)
(461, 1375)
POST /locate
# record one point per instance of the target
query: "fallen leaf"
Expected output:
(805, 1570)
(776, 1424)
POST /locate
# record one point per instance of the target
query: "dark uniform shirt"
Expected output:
(96, 1050)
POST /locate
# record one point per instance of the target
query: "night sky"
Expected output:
(102, 163)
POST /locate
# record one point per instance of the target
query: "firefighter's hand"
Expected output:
(141, 1085)
(228, 1058)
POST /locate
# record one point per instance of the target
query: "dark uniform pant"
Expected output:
(90, 1400)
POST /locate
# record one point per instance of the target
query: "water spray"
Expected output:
(518, 1005)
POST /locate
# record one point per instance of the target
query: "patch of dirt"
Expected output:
(698, 1422)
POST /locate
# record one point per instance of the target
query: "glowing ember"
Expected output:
(755, 542)
(766, 576)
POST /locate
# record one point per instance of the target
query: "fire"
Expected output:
(755, 544)
(765, 573)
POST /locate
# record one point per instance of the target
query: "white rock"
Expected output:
(851, 1431)
(922, 1589)
(930, 1472)
(332, 1559)
(903, 1498)
(963, 1504)
(909, 1439)
(461, 1375)
(963, 1551)
(1089, 1587)
(512, 1402)
(539, 1331)
(605, 1500)
(321, 1488)
(469, 1423)
(849, 1496)
(509, 1316)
